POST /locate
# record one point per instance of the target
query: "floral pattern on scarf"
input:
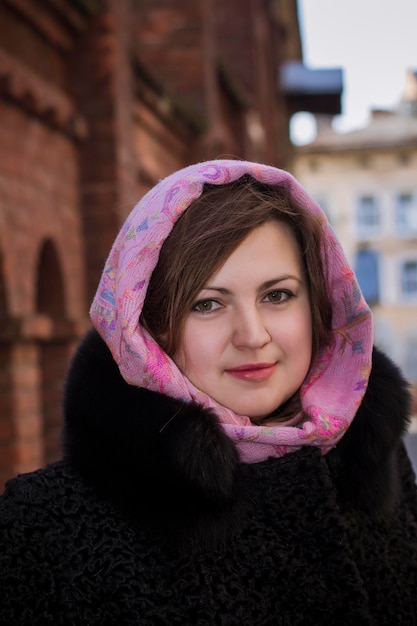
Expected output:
(338, 378)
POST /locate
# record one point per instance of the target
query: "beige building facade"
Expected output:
(366, 181)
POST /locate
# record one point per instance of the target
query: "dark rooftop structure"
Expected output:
(317, 91)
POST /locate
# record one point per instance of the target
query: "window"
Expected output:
(369, 218)
(409, 279)
(406, 214)
(366, 269)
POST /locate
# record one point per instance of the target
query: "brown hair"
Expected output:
(207, 233)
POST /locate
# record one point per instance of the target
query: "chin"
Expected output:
(281, 411)
(260, 418)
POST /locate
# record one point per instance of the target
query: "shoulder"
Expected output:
(31, 506)
(46, 513)
(29, 498)
(365, 460)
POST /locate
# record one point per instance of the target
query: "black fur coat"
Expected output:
(150, 519)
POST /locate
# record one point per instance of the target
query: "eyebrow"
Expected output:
(266, 285)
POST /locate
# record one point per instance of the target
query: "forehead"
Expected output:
(268, 249)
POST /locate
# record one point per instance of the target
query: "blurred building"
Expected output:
(98, 100)
(366, 181)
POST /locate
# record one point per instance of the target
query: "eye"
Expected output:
(278, 296)
(205, 306)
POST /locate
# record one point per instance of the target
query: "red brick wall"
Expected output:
(169, 42)
(40, 243)
(71, 142)
(189, 44)
(95, 107)
(101, 81)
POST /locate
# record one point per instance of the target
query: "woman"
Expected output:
(233, 447)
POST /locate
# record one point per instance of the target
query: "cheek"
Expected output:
(196, 351)
(202, 354)
(297, 335)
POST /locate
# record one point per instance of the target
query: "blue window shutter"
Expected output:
(366, 269)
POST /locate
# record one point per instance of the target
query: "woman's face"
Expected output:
(247, 340)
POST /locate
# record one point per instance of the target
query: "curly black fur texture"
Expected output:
(150, 519)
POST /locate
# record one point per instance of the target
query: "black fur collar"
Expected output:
(136, 446)
(154, 456)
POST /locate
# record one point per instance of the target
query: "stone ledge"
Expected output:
(58, 25)
(42, 327)
(39, 97)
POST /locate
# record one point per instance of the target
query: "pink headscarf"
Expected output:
(338, 378)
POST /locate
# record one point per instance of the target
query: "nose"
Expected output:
(250, 330)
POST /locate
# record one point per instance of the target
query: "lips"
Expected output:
(253, 372)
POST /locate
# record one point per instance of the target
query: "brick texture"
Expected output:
(97, 104)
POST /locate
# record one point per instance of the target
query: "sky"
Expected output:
(373, 41)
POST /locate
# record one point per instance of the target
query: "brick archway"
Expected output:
(50, 298)
(53, 353)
